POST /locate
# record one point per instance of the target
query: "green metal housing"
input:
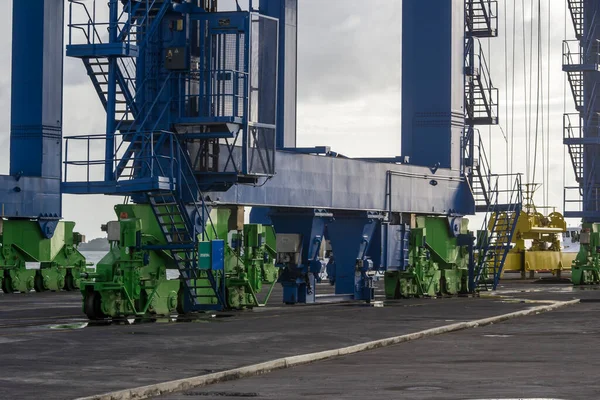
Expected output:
(586, 267)
(131, 280)
(29, 260)
(438, 264)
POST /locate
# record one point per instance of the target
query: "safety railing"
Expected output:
(133, 20)
(574, 54)
(226, 94)
(88, 28)
(158, 155)
(87, 153)
(582, 201)
(572, 199)
(572, 126)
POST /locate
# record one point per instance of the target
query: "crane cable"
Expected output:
(548, 108)
(537, 112)
(525, 93)
(540, 129)
(507, 144)
(512, 112)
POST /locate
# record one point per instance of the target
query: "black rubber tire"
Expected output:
(69, 283)
(6, 285)
(38, 283)
(93, 306)
(181, 302)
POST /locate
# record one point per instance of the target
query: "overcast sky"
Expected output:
(349, 93)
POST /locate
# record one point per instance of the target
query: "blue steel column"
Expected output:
(433, 82)
(33, 188)
(590, 112)
(37, 89)
(287, 13)
(351, 236)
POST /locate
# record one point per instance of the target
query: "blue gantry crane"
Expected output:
(38, 250)
(581, 62)
(201, 117)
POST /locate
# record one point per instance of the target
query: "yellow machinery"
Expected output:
(542, 234)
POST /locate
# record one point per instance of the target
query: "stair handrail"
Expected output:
(569, 133)
(483, 165)
(488, 87)
(513, 207)
(91, 23)
(140, 127)
(191, 186)
(483, 243)
(135, 98)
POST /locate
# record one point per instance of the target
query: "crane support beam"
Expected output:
(433, 82)
(287, 75)
(309, 181)
(33, 188)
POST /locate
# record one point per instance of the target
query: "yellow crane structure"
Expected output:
(536, 239)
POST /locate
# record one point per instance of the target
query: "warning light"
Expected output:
(123, 215)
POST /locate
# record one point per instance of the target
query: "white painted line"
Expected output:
(180, 385)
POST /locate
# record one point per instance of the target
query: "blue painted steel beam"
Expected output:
(351, 235)
(591, 107)
(33, 189)
(119, 188)
(36, 98)
(298, 280)
(309, 181)
(29, 197)
(287, 13)
(309, 150)
(433, 82)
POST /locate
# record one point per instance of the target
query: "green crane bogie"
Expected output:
(29, 260)
(131, 280)
(437, 263)
(586, 266)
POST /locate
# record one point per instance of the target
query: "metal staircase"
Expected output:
(575, 79)
(500, 198)
(481, 97)
(481, 184)
(184, 223)
(495, 237)
(501, 206)
(204, 289)
(97, 69)
(137, 22)
(481, 18)
(572, 133)
(576, 11)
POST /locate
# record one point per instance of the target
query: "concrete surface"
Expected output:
(544, 356)
(69, 363)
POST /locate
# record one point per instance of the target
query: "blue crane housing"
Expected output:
(201, 116)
